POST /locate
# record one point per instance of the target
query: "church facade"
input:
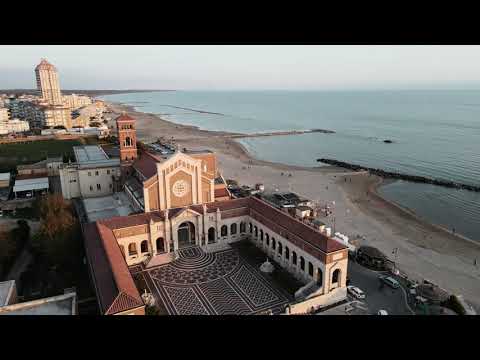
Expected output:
(185, 203)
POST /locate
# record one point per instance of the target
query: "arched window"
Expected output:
(250, 228)
(302, 263)
(261, 235)
(211, 235)
(336, 276)
(273, 243)
(144, 246)
(128, 141)
(310, 269)
(319, 277)
(224, 230)
(243, 227)
(294, 258)
(268, 238)
(268, 241)
(160, 245)
(287, 253)
(256, 231)
(233, 229)
(280, 248)
(132, 249)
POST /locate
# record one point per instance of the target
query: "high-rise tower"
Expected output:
(47, 83)
(127, 137)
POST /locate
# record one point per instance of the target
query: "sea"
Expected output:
(434, 133)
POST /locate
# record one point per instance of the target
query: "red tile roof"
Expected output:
(119, 222)
(116, 291)
(124, 117)
(292, 225)
(228, 204)
(146, 165)
(222, 192)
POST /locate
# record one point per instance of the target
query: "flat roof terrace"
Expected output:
(89, 156)
(109, 206)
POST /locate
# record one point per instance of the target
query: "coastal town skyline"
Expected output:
(271, 67)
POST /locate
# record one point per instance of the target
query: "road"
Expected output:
(392, 300)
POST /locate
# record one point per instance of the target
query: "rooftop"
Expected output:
(105, 207)
(55, 305)
(31, 184)
(5, 176)
(89, 153)
(93, 156)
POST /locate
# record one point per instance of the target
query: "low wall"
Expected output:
(317, 302)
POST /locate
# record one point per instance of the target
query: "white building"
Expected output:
(93, 174)
(75, 101)
(4, 115)
(14, 126)
(47, 83)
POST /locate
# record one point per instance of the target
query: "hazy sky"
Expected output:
(246, 67)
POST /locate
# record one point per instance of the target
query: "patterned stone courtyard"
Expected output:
(218, 283)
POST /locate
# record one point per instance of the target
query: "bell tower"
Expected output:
(127, 137)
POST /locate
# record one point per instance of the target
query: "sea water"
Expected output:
(435, 133)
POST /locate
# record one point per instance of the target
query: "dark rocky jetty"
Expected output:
(400, 176)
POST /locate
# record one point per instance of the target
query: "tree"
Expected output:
(58, 239)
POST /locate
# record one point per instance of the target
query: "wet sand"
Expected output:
(424, 250)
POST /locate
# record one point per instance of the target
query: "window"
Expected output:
(310, 269)
(99, 187)
(110, 186)
(96, 173)
(89, 173)
(287, 253)
(273, 243)
(108, 172)
(233, 229)
(279, 248)
(302, 263)
(336, 276)
(91, 188)
(294, 258)
(243, 227)
(261, 235)
(144, 246)
(132, 249)
(224, 230)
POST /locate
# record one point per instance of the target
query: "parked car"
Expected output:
(355, 292)
(388, 280)
(382, 312)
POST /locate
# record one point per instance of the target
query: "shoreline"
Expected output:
(231, 136)
(426, 250)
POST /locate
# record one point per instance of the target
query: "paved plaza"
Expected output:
(219, 283)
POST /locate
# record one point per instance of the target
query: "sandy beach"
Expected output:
(424, 250)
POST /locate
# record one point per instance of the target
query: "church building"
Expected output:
(183, 202)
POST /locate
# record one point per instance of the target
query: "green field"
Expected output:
(12, 155)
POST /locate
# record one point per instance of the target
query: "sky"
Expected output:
(246, 67)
